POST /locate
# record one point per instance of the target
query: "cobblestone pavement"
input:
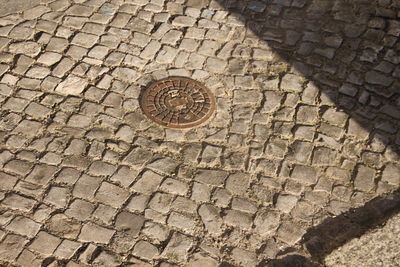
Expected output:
(306, 128)
(7, 7)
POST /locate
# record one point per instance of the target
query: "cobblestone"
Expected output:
(305, 128)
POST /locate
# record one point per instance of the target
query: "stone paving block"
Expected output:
(49, 58)
(68, 176)
(29, 189)
(184, 205)
(183, 21)
(145, 250)
(23, 226)
(307, 114)
(37, 111)
(51, 159)
(57, 196)
(57, 44)
(60, 70)
(166, 55)
(107, 259)
(79, 121)
(221, 197)
(100, 168)
(156, 231)
(324, 156)
(7, 182)
(86, 186)
(242, 204)
(125, 74)
(111, 195)
(76, 147)
(18, 202)
(72, 85)
(174, 186)
(210, 215)
(304, 174)
(130, 223)
(300, 151)
(63, 226)
(374, 77)
(211, 155)
(195, 61)
(187, 224)
(45, 243)
(27, 48)
(391, 174)
(16, 104)
(290, 232)
(155, 216)
(238, 219)
(11, 246)
(85, 40)
(105, 214)
(79, 10)
(364, 179)
(9, 79)
(125, 176)
(165, 165)
(215, 65)
(147, 183)
(200, 192)
(292, 82)
(285, 202)
(93, 233)
(178, 247)
(392, 111)
(200, 259)
(138, 203)
(244, 257)
(76, 52)
(212, 177)
(28, 258)
(80, 209)
(246, 96)
(161, 202)
(67, 249)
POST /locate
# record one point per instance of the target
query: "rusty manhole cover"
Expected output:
(177, 102)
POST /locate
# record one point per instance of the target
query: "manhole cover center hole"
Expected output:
(177, 102)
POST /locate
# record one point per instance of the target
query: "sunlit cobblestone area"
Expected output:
(306, 128)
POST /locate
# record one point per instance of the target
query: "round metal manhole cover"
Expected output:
(177, 102)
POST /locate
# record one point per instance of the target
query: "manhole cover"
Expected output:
(177, 102)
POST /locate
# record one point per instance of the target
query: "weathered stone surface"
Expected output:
(210, 216)
(95, 233)
(45, 243)
(211, 177)
(178, 247)
(72, 85)
(306, 125)
(11, 246)
(23, 226)
(364, 179)
(147, 183)
(391, 174)
(129, 223)
(27, 48)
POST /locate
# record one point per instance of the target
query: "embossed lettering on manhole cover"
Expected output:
(177, 102)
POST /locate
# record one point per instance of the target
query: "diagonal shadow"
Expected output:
(350, 51)
(332, 233)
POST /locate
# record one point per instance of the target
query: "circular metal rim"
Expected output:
(143, 97)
